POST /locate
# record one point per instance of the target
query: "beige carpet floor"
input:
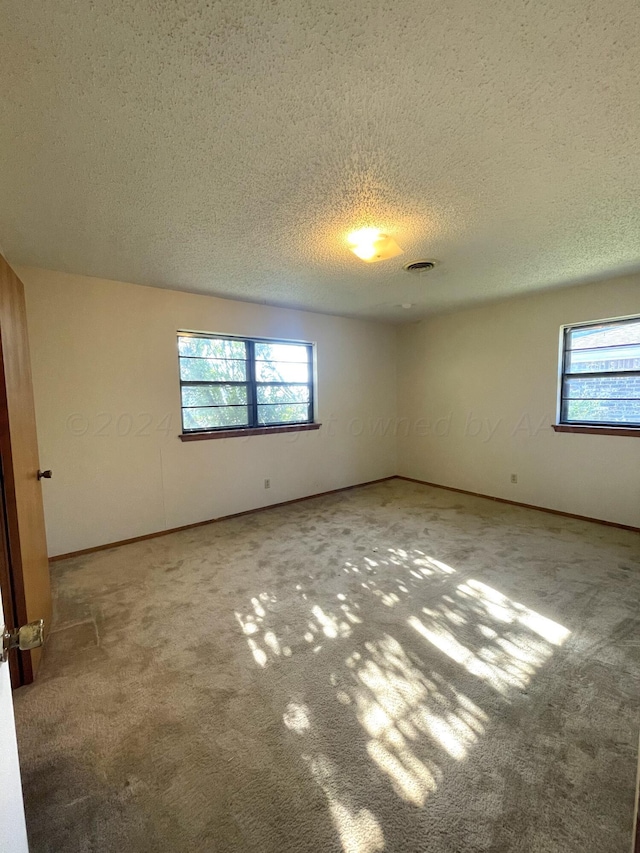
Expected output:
(393, 668)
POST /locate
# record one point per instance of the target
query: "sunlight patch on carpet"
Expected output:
(515, 640)
(414, 719)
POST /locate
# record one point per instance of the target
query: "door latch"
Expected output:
(27, 637)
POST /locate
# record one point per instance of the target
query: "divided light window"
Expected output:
(601, 374)
(235, 383)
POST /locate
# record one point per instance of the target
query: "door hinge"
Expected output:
(27, 637)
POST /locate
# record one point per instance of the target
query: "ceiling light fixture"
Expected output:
(371, 245)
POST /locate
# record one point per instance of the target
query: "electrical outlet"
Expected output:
(267, 484)
(514, 478)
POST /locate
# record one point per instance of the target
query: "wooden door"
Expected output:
(25, 586)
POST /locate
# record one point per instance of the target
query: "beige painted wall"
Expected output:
(105, 375)
(477, 395)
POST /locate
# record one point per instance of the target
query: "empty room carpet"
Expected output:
(392, 668)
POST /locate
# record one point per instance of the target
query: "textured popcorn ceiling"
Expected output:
(228, 147)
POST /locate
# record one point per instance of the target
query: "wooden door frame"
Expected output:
(13, 593)
(6, 585)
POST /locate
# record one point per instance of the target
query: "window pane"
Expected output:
(214, 395)
(605, 335)
(602, 387)
(211, 347)
(281, 352)
(283, 393)
(603, 360)
(293, 413)
(212, 370)
(281, 371)
(602, 411)
(219, 383)
(217, 417)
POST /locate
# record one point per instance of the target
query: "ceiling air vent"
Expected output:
(419, 266)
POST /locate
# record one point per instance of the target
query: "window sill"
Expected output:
(597, 430)
(243, 433)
